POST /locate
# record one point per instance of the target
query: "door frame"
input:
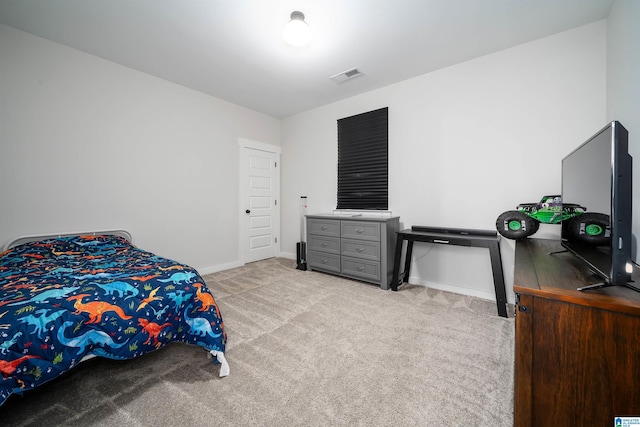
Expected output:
(243, 235)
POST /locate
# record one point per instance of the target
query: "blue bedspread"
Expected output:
(66, 298)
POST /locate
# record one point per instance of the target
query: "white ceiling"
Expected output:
(233, 49)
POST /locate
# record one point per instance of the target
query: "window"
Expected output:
(363, 166)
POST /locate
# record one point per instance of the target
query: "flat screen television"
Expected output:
(596, 193)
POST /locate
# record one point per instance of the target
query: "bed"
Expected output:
(67, 298)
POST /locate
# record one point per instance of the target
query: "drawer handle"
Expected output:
(323, 228)
(360, 268)
(324, 261)
(359, 231)
(360, 250)
(324, 245)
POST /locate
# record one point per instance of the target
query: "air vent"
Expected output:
(346, 75)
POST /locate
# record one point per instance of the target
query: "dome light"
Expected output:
(297, 32)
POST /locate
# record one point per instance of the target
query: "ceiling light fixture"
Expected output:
(297, 32)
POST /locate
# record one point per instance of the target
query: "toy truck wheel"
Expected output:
(516, 225)
(590, 228)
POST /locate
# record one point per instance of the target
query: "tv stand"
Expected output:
(577, 358)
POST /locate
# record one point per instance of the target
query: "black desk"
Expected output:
(458, 237)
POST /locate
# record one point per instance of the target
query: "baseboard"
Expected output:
(453, 289)
(221, 267)
(236, 264)
(287, 255)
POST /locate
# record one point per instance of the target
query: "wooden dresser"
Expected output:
(577, 360)
(358, 247)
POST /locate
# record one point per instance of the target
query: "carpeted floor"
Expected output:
(305, 349)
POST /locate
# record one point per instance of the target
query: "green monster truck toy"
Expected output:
(587, 227)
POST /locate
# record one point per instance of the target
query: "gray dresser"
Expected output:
(358, 247)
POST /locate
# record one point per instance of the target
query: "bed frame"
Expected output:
(34, 238)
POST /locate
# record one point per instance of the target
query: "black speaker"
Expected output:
(301, 255)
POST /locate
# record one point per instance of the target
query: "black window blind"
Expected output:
(363, 166)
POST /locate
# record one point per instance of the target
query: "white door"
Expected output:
(260, 204)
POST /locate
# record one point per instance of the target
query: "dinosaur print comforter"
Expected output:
(66, 298)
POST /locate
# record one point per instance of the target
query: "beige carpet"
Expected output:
(305, 349)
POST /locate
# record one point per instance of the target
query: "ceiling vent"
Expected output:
(346, 75)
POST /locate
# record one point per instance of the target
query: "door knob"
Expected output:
(247, 211)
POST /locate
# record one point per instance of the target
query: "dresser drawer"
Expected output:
(324, 244)
(324, 261)
(359, 268)
(361, 249)
(361, 230)
(324, 227)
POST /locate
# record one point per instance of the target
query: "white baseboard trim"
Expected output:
(287, 255)
(453, 289)
(236, 264)
(222, 267)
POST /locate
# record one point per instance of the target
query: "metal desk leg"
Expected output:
(396, 265)
(407, 261)
(498, 278)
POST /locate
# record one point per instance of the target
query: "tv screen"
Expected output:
(596, 193)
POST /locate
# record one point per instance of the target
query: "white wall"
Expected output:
(88, 144)
(465, 144)
(623, 85)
